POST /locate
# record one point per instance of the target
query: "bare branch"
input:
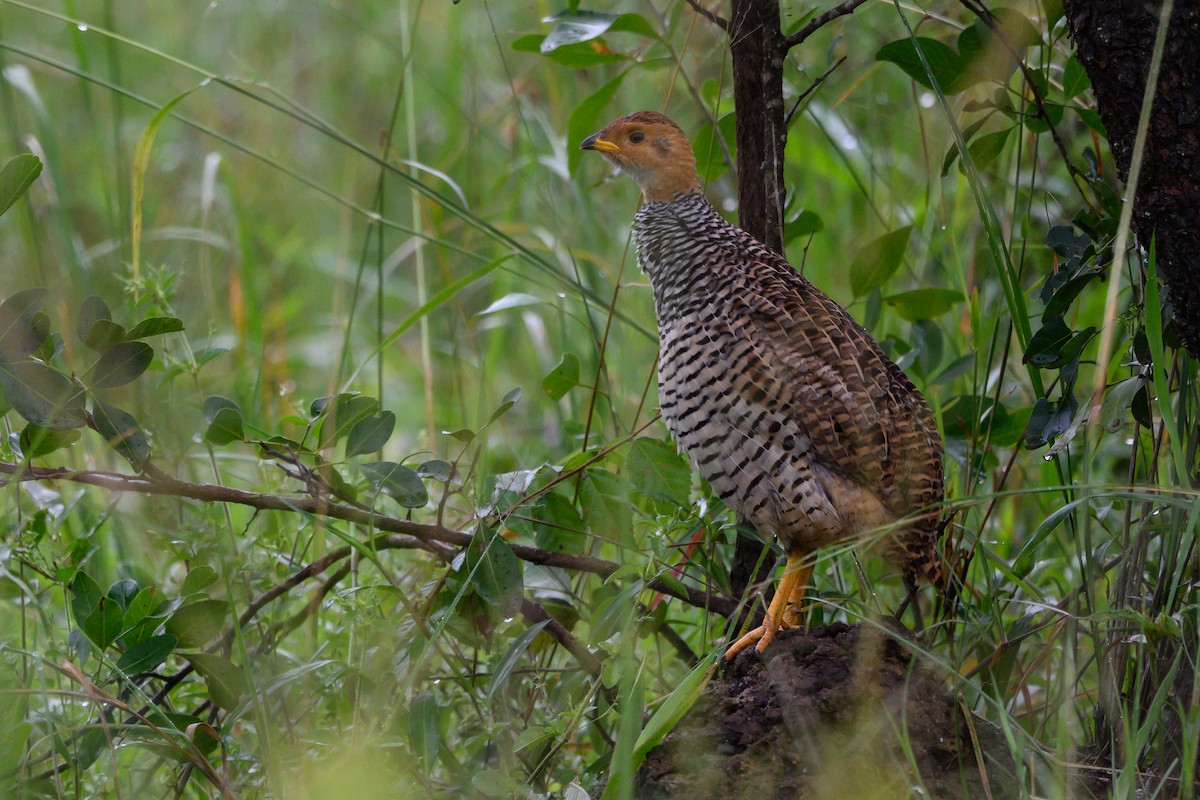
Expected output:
(428, 536)
(714, 18)
(817, 23)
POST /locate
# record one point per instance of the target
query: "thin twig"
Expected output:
(713, 17)
(787, 121)
(817, 23)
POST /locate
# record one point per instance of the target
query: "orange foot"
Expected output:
(785, 608)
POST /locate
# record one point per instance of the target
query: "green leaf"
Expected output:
(924, 303)
(121, 364)
(341, 415)
(23, 327)
(17, 176)
(1037, 124)
(806, 223)
(1047, 343)
(656, 471)
(425, 728)
(512, 656)
(874, 263)
(37, 440)
(123, 591)
(198, 578)
(585, 119)
(945, 64)
(1115, 408)
(967, 416)
(1049, 419)
(671, 710)
(710, 156)
(370, 434)
(398, 482)
(1060, 303)
(197, 624)
(510, 400)
(103, 335)
(441, 471)
(495, 572)
(605, 501)
(562, 378)
(226, 681)
(142, 606)
(577, 27)
(155, 326)
(987, 148)
(147, 655)
(43, 395)
(1075, 79)
(574, 56)
(557, 525)
(122, 432)
(104, 624)
(226, 426)
(93, 309)
(85, 596)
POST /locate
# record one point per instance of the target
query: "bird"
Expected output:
(787, 406)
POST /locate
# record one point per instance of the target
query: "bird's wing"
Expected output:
(813, 363)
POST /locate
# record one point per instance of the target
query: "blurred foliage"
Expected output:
(273, 270)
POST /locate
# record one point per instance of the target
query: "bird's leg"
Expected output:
(783, 612)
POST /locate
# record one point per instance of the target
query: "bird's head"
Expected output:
(652, 150)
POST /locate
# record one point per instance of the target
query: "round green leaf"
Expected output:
(42, 394)
(370, 433)
(122, 432)
(121, 364)
(225, 427)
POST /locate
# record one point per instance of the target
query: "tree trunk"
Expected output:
(757, 46)
(1115, 39)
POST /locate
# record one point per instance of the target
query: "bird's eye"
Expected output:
(636, 137)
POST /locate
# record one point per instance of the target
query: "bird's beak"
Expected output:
(594, 142)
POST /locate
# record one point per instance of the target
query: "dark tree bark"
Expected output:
(1115, 39)
(757, 46)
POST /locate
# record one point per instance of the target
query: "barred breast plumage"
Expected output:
(784, 403)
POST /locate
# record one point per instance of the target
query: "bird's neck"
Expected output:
(677, 242)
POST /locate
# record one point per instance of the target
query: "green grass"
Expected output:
(342, 213)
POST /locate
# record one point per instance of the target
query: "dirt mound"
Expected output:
(837, 712)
